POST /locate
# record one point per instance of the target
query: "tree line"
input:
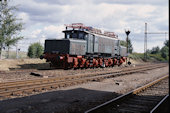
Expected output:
(162, 52)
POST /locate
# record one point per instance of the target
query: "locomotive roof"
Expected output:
(88, 32)
(101, 35)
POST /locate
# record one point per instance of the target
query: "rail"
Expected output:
(115, 102)
(13, 88)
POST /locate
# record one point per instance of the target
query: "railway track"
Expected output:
(15, 88)
(24, 74)
(141, 100)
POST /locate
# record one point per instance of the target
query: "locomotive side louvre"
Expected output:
(77, 47)
(96, 44)
(89, 43)
(123, 51)
(102, 45)
(117, 48)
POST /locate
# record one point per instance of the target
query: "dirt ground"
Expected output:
(79, 98)
(11, 64)
(10, 69)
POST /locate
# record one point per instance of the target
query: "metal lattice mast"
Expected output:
(145, 42)
(145, 39)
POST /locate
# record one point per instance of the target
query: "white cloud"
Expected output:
(55, 30)
(49, 31)
(24, 16)
(52, 31)
(35, 33)
(45, 19)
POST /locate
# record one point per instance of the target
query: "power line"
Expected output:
(145, 39)
(157, 33)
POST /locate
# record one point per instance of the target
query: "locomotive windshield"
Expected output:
(75, 34)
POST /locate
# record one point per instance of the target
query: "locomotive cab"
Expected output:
(75, 34)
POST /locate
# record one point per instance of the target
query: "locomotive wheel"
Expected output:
(106, 63)
(87, 64)
(75, 63)
(103, 65)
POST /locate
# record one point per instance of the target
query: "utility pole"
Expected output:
(127, 45)
(145, 40)
(16, 51)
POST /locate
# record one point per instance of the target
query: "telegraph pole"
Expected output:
(145, 42)
(16, 51)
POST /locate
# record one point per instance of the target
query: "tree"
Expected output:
(165, 52)
(166, 43)
(10, 26)
(31, 53)
(130, 46)
(123, 43)
(35, 50)
(155, 50)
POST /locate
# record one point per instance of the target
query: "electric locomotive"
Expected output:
(84, 47)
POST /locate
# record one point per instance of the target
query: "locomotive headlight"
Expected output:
(58, 58)
(61, 58)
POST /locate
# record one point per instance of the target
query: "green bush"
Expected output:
(165, 52)
(157, 57)
(155, 54)
(35, 50)
(150, 57)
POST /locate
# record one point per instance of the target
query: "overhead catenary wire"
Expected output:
(145, 39)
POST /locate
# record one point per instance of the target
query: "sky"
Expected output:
(45, 19)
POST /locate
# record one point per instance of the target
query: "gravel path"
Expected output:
(80, 97)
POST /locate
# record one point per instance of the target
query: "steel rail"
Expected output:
(115, 101)
(65, 77)
(51, 80)
(7, 91)
(159, 104)
(106, 76)
(44, 80)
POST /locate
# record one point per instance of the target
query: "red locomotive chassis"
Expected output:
(68, 61)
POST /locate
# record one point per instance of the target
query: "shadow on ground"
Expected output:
(61, 101)
(38, 66)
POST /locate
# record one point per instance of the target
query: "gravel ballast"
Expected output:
(80, 98)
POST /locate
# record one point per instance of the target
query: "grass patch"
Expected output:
(150, 57)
